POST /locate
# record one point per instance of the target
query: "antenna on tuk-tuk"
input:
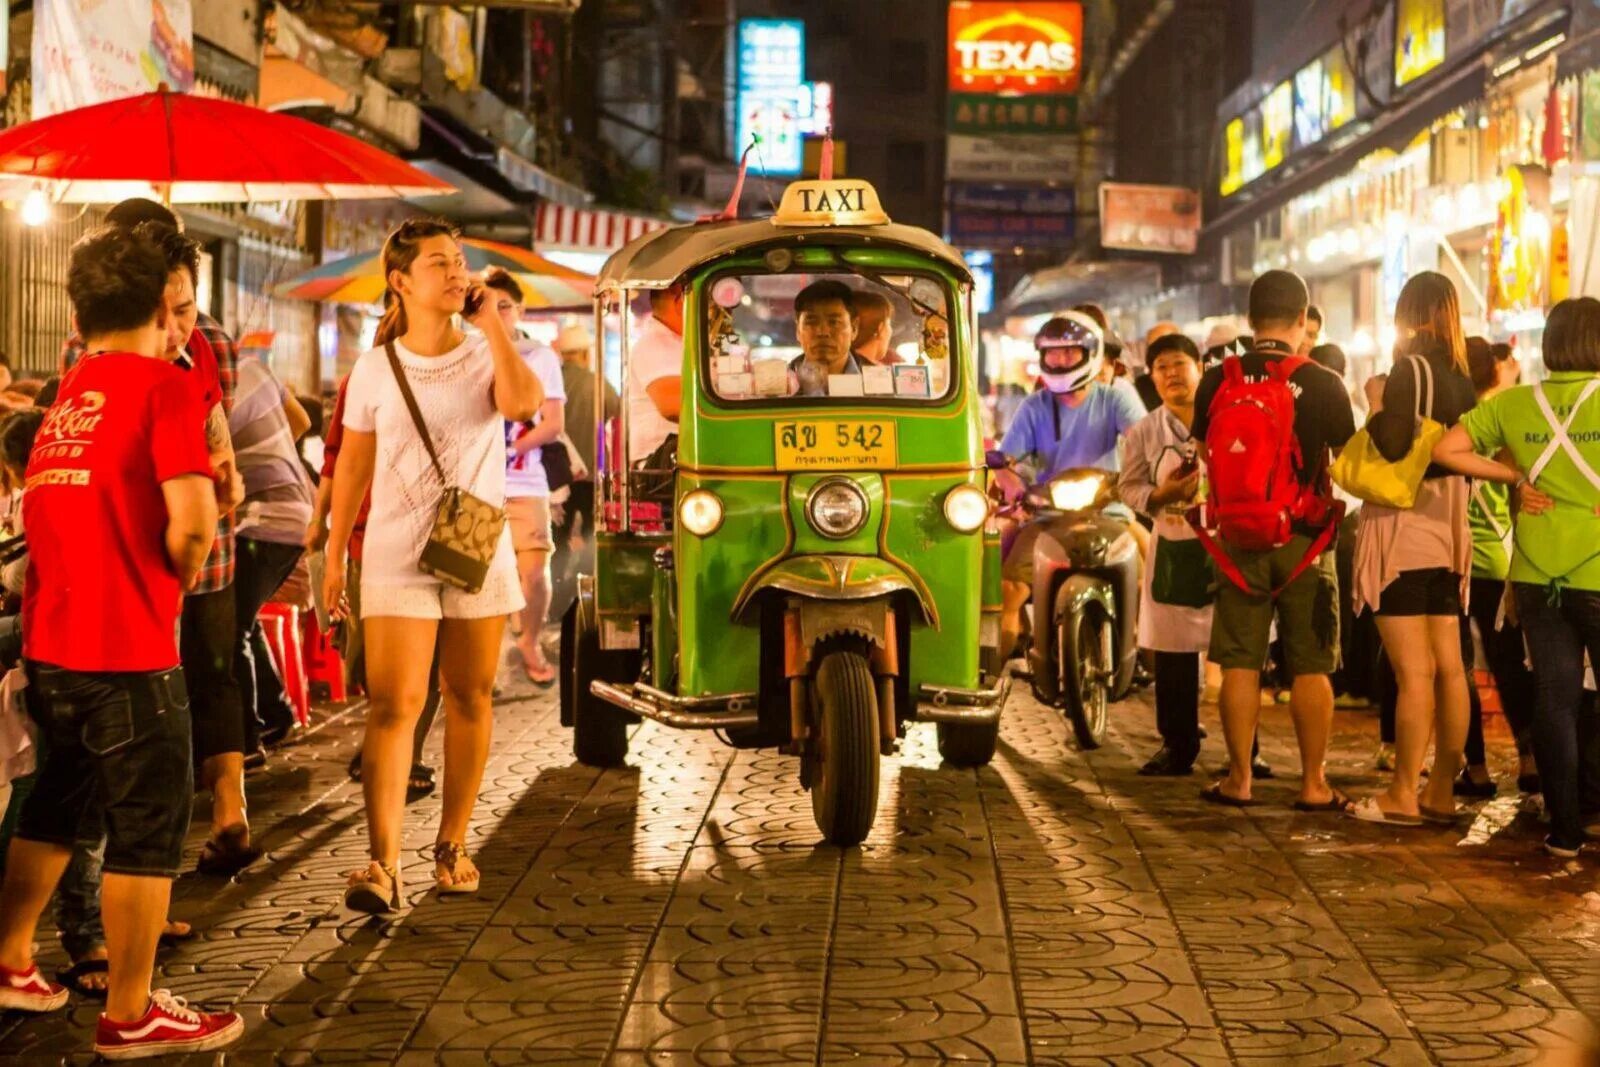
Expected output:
(732, 210)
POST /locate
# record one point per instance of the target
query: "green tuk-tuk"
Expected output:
(816, 567)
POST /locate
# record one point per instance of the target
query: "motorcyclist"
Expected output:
(1074, 421)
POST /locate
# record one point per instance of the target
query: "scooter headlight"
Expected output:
(966, 507)
(1076, 494)
(700, 512)
(837, 508)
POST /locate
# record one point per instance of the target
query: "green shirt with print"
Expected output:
(1489, 518)
(1561, 544)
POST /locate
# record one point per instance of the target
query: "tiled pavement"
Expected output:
(1054, 908)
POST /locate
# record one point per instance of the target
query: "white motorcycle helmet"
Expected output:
(1071, 352)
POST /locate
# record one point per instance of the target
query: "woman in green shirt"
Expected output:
(1552, 434)
(1494, 369)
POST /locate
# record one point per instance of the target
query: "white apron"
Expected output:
(1152, 450)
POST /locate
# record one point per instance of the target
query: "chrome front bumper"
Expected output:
(975, 707)
(727, 711)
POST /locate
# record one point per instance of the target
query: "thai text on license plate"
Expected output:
(803, 445)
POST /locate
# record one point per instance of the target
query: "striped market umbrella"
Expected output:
(358, 279)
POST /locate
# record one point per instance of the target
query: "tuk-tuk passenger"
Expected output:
(825, 323)
(655, 375)
(874, 328)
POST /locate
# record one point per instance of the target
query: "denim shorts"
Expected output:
(117, 761)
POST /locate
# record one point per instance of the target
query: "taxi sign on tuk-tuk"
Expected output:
(842, 202)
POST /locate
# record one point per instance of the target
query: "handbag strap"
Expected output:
(1424, 380)
(416, 412)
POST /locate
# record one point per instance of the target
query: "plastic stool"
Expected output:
(283, 638)
(322, 660)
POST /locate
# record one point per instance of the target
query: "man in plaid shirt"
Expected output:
(207, 625)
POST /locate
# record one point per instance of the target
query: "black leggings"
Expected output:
(1506, 654)
(1178, 702)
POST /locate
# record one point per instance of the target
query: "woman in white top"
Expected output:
(465, 385)
(1161, 478)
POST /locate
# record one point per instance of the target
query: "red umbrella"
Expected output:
(195, 150)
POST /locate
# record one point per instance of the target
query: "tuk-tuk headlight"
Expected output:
(837, 508)
(700, 512)
(966, 507)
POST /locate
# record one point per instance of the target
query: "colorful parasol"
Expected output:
(359, 279)
(186, 149)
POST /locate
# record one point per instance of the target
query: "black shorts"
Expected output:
(117, 762)
(1430, 591)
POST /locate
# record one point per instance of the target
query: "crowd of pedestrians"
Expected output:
(1473, 522)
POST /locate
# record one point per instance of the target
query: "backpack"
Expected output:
(1253, 465)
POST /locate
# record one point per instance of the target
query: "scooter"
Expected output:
(1084, 608)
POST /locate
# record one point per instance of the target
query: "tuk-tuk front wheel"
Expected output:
(843, 749)
(968, 744)
(1086, 672)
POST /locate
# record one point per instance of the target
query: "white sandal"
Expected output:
(1367, 809)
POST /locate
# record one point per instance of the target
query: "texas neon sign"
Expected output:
(1015, 48)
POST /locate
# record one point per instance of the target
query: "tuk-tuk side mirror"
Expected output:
(994, 459)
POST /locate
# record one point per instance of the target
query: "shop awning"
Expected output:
(1098, 282)
(561, 228)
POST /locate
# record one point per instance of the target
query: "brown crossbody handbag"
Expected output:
(466, 530)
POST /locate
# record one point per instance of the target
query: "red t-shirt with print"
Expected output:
(101, 594)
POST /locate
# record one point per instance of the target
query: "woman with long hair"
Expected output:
(1412, 565)
(1550, 432)
(465, 386)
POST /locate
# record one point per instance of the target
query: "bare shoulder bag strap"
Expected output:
(1422, 376)
(416, 412)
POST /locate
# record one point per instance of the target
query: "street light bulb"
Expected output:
(35, 208)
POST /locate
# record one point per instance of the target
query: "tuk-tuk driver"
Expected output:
(825, 323)
(655, 375)
(1074, 421)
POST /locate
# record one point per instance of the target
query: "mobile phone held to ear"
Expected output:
(473, 302)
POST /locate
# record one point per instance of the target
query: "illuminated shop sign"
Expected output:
(1419, 40)
(1296, 114)
(1014, 67)
(774, 100)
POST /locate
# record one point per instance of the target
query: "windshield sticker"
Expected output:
(911, 381)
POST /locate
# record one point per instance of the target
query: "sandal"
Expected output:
(228, 853)
(420, 783)
(449, 855)
(1437, 817)
(354, 770)
(175, 932)
(1214, 795)
(1368, 810)
(73, 977)
(374, 889)
(1337, 802)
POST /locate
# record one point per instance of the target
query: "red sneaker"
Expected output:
(169, 1026)
(29, 991)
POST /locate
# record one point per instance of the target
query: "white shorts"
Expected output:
(501, 595)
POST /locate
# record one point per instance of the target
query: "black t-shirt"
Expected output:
(1323, 419)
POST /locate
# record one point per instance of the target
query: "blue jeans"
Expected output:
(1566, 727)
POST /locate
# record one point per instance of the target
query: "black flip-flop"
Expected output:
(227, 854)
(354, 770)
(72, 978)
(1336, 803)
(1213, 794)
(420, 782)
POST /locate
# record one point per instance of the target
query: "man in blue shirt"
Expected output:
(1074, 421)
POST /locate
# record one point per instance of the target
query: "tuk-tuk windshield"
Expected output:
(827, 334)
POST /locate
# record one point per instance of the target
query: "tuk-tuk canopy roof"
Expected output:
(658, 259)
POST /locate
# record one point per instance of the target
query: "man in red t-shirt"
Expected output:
(120, 509)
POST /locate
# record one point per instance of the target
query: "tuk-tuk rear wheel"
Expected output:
(968, 745)
(844, 748)
(599, 731)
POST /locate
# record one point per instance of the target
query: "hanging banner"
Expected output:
(1149, 218)
(90, 51)
(1011, 216)
(1010, 159)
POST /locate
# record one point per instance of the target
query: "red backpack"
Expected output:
(1254, 464)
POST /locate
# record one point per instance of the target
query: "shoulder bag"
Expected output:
(466, 529)
(1363, 472)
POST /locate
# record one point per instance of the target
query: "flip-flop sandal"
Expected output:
(170, 937)
(354, 770)
(542, 683)
(1338, 802)
(420, 782)
(1213, 794)
(1367, 810)
(73, 976)
(227, 854)
(1436, 817)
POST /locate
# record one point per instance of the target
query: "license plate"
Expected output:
(807, 446)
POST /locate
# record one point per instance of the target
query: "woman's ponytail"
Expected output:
(393, 324)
